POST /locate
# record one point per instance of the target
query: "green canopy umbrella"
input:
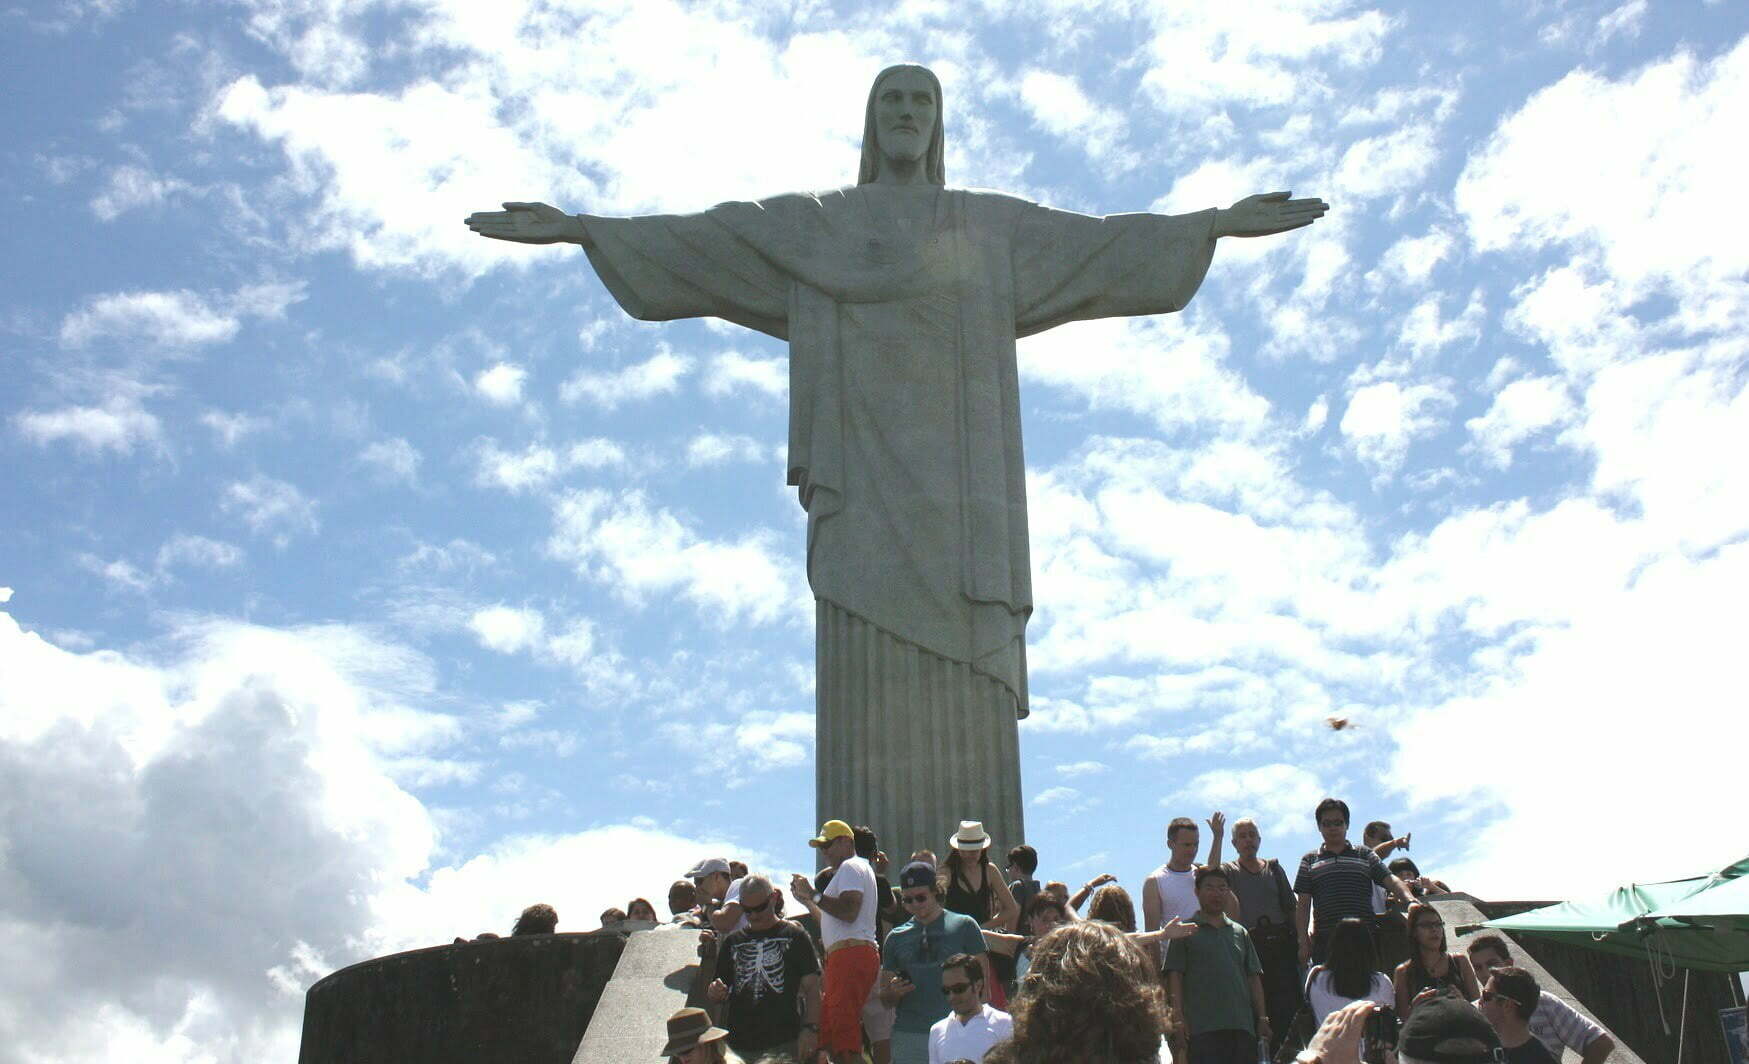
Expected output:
(1723, 906)
(1640, 920)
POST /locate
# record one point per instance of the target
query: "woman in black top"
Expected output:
(1429, 963)
(975, 887)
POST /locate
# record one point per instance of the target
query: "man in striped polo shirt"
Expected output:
(1335, 881)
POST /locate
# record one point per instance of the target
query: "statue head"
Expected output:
(884, 131)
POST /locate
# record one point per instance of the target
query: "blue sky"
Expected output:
(364, 581)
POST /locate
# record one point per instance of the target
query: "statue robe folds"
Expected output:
(901, 306)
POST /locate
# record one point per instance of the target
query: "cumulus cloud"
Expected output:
(131, 187)
(119, 425)
(537, 465)
(1520, 410)
(738, 750)
(1059, 106)
(1541, 178)
(175, 319)
(270, 507)
(732, 372)
(1280, 797)
(1385, 165)
(1383, 418)
(121, 772)
(501, 383)
(658, 375)
(710, 448)
(197, 552)
(394, 459)
(637, 549)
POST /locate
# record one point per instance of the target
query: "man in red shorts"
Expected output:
(847, 927)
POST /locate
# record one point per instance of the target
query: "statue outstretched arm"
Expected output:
(530, 223)
(1265, 214)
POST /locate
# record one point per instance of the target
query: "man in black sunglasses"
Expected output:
(768, 974)
(912, 959)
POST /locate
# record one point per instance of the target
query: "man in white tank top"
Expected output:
(1170, 890)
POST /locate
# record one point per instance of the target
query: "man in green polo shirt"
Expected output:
(1215, 980)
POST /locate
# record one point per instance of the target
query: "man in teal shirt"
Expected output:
(1215, 981)
(911, 960)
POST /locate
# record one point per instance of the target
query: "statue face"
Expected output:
(905, 116)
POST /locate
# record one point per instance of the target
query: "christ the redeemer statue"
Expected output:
(901, 300)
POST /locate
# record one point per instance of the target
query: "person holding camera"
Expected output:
(1349, 974)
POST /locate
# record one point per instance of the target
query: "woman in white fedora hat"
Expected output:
(974, 885)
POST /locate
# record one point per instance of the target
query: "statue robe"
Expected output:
(901, 306)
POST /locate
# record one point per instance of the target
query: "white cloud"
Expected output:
(1280, 797)
(1077, 769)
(501, 383)
(1410, 261)
(1385, 165)
(1059, 106)
(1520, 410)
(508, 629)
(737, 751)
(1585, 695)
(537, 465)
(118, 425)
(177, 319)
(229, 428)
(183, 550)
(1207, 56)
(658, 375)
(709, 448)
(269, 505)
(1055, 796)
(1383, 418)
(121, 573)
(731, 372)
(132, 187)
(123, 772)
(394, 458)
(638, 550)
(1174, 374)
(521, 629)
(1543, 178)
(1425, 334)
(167, 319)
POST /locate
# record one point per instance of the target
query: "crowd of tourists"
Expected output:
(1233, 961)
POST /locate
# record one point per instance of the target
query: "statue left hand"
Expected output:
(1268, 213)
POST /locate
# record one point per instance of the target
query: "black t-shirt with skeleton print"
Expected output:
(764, 972)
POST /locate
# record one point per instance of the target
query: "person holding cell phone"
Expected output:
(912, 957)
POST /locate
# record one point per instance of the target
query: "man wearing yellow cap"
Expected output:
(847, 927)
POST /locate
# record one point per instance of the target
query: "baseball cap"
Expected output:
(709, 866)
(832, 829)
(917, 874)
(1445, 1029)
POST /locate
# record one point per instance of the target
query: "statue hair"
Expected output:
(934, 159)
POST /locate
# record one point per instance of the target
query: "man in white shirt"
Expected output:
(968, 1032)
(847, 929)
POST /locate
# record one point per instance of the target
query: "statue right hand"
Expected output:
(527, 223)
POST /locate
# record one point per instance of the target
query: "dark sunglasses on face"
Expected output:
(955, 988)
(916, 899)
(761, 907)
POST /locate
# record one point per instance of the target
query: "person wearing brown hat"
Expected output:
(847, 927)
(692, 1039)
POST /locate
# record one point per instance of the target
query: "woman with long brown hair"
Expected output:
(975, 886)
(1112, 904)
(1430, 964)
(1090, 996)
